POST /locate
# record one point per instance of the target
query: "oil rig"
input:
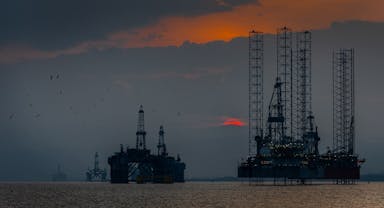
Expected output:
(96, 174)
(139, 165)
(286, 148)
(59, 175)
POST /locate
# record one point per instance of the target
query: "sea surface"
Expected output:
(191, 194)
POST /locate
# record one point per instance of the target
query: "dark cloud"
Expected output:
(47, 24)
(188, 89)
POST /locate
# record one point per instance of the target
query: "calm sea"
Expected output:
(193, 194)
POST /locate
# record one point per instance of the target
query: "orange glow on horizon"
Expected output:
(233, 122)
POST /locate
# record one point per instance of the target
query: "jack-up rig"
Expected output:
(96, 174)
(59, 175)
(138, 164)
(287, 146)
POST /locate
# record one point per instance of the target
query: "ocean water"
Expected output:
(191, 194)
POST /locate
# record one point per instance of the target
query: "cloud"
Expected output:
(123, 84)
(11, 54)
(193, 73)
(74, 27)
(52, 25)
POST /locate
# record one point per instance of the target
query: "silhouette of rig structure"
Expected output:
(59, 175)
(138, 164)
(286, 148)
(96, 174)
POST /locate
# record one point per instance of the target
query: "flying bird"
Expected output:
(51, 77)
(57, 76)
(11, 116)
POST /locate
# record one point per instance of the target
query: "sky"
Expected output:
(74, 73)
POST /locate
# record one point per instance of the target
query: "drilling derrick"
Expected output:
(305, 119)
(161, 148)
(96, 161)
(285, 75)
(96, 173)
(255, 91)
(140, 134)
(276, 128)
(343, 101)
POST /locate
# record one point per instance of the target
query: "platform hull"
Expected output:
(299, 172)
(326, 167)
(142, 167)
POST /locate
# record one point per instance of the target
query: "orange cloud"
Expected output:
(233, 122)
(265, 16)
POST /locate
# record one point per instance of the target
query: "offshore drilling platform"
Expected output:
(286, 148)
(138, 164)
(96, 174)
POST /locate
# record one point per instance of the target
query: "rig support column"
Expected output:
(285, 74)
(255, 83)
(343, 101)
